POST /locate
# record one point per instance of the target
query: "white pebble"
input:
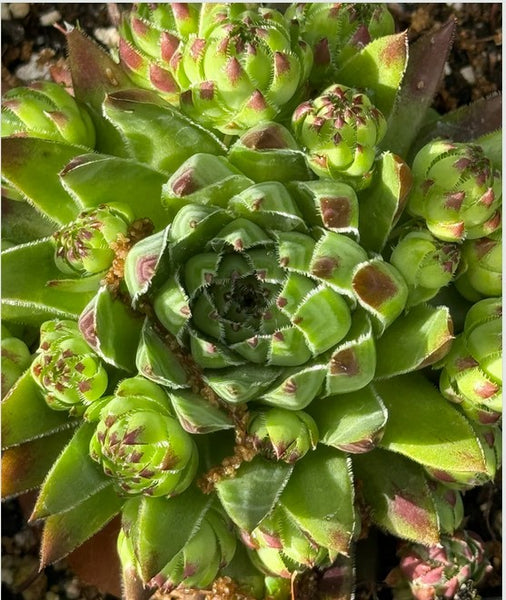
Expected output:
(50, 18)
(448, 69)
(32, 70)
(468, 74)
(19, 10)
(109, 36)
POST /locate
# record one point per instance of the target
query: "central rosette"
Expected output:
(262, 305)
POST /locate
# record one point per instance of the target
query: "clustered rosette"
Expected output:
(233, 294)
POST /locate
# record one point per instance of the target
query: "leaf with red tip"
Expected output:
(427, 58)
(26, 398)
(73, 478)
(319, 497)
(24, 467)
(378, 68)
(415, 340)
(442, 439)
(382, 203)
(66, 531)
(396, 491)
(32, 166)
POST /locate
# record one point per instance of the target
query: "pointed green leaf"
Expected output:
(112, 329)
(492, 147)
(27, 295)
(240, 384)
(21, 223)
(350, 422)
(378, 68)
(415, 340)
(25, 467)
(164, 525)
(155, 132)
(95, 179)
(245, 574)
(26, 416)
(95, 74)
(319, 497)
(397, 493)
(66, 531)
(197, 415)
(253, 492)
(382, 203)
(32, 165)
(427, 57)
(73, 479)
(443, 438)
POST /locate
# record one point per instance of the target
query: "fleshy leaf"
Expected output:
(172, 137)
(378, 68)
(443, 438)
(197, 415)
(73, 479)
(427, 57)
(21, 223)
(99, 179)
(319, 497)
(397, 492)
(112, 329)
(26, 398)
(24, 467)
(26, 294)
(163, 526)
(32, 165)
(66, 531)
(95, 74)
(350, 422)
(415, 340)
(253, 492)
(382, 203)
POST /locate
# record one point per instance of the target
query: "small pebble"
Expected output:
(448, 69)
(52, 596)
(108, 36)
(72, 589)
(468, 74)
(50, 18)
(32, 70)
(19, 10)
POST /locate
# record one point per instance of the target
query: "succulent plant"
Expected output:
(441, 571)
(237, 315)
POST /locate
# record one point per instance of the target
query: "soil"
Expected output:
(31, 45)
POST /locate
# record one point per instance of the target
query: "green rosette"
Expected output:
(336, 32)
(456, 191)
(46, 110)
(340, 130)
(141, 445)
(69, 373)
(472, 373)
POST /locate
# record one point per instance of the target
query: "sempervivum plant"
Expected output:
(239, 292)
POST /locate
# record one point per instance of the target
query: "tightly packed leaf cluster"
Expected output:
(248, 274)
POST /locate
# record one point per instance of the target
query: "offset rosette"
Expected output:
(265, 308)
(340, 131)
(337, 31)
(242, 70)
(427, 264)
(481, 268)
(472, 373)
(440, 571)
(83, 247)
(66, 369)
(141, 444)
(456, 191)
(283, 435)
(46, 110)
(280, 547)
